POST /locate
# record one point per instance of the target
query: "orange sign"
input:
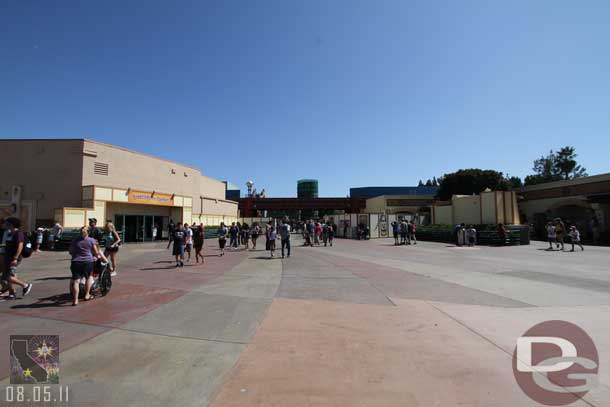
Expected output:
(149, 198)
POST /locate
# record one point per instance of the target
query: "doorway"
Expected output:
(141, 228)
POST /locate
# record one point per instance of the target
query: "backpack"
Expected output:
(27, 247)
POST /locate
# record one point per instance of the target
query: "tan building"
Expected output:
(71, 180)
(489, 207)
(404, 206)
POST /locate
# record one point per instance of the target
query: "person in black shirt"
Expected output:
(179, 240)
(95, 232)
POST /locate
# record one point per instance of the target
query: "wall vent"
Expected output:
(100, 168)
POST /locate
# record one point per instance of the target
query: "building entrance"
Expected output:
(142, 228)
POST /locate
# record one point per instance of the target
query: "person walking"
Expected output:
(551, 234)
(245, 235)
(311, 227)
(325, 234)
(188, 241)
(222, 237)
(39, 238)
(84, 251)
(198, 240)
(317, 233)
(403, 232)
(55, 235)
(331, 233)
(256, 231)
(502, 234)
(171, 228)
(179, 240)
(575, 238)
(233, 233)
(113, 240)
(412, 231)
(560, 232)
(271, 235)
(471, 236)
(395, 232)
(285, 236)
(14, 246)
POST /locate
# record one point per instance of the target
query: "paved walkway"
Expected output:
(363, 323)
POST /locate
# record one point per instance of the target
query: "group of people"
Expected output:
(405, 230)
(185, 238)
(85, 250)
(315, 233)
(467, 235)
(242, 234)
(557, 231)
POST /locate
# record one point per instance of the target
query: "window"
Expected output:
(100, 168)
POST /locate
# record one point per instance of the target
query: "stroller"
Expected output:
(102, 281)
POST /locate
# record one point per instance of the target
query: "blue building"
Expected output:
(370, 192)
(232, 192)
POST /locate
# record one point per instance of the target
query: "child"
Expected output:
(551, 234)
(471, 235)
(575, 235)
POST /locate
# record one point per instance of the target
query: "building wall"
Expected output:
(467, 209)
(488, 207)
(128, 169)
(48, 170)
(443, 215)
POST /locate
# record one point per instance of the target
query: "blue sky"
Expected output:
(353, 93)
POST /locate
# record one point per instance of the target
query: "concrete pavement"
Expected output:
(363, 323)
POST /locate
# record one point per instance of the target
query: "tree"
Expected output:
(434, 182)
(421, 184)
(428, 183)
(515, 182)
(556, 166)
(566, 165)
(471, 181)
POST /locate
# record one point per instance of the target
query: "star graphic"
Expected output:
(27, 373)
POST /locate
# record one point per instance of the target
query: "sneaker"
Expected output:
(8, 298)
(113, 274)
(27, 289)
(181, 264)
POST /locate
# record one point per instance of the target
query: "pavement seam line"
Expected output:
(120, 328)
(486, 339)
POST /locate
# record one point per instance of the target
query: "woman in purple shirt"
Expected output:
(84, 253)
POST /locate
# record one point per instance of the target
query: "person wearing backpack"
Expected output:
(15, 249)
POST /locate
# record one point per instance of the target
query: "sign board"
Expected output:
(149, 198)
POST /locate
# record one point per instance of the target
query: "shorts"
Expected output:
(552, 239)
(395, 235)
(114, 249)
(271, 244)
(81, 269)
(222, 243)
(178, 249)
(188, 248)
(39, 240)
(471, 240)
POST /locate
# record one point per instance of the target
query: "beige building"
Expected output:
(71, 180)
(489, 207)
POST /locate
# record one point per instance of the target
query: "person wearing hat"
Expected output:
(39, 237)
(13, 247)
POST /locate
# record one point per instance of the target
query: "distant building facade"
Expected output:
(371, 192)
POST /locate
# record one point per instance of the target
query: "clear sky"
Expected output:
(353, 93)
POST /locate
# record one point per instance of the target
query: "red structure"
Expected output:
(249, 207)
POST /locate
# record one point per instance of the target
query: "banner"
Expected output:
(148, 198)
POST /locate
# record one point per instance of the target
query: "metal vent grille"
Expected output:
(100, 168)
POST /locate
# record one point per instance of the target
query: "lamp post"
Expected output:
(249, 184)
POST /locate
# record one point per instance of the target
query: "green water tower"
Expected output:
(307, 188)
